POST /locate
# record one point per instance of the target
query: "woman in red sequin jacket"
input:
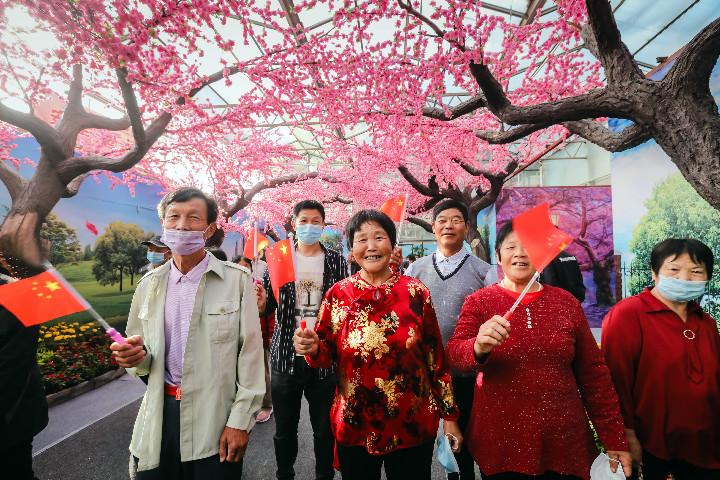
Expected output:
(541, 377)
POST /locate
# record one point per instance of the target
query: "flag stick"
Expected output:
(109, 330)
(402, 218)
(255, 252)
(532, 281)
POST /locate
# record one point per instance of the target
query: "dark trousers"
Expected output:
(171, 468)
(654, 468)
(464, 389)
(404, 464)
(287, 393)
(16, 461)
(521, 476)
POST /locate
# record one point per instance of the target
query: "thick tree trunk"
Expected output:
(20, 231)
(688, 130)
(478, 244)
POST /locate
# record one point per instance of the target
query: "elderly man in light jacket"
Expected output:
(194, 331)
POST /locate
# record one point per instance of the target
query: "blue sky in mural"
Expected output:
(100, 204)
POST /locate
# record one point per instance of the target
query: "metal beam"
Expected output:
(532, 9)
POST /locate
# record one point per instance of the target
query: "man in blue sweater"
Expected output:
(452, 274)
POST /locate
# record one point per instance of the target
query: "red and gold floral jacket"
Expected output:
(394, 382)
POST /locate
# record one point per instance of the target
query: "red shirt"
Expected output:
(529, 415)
(668, 384)
(394, 383)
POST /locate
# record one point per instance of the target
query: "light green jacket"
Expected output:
(223, 378)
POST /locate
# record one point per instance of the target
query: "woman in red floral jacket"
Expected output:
(539, 381)
(394, 381)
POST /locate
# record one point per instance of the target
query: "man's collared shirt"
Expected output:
(447, 265)
(179, 302)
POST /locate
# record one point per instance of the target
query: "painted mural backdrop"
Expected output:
(586, 214)
(652, 202)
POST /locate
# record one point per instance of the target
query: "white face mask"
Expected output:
(183, 242)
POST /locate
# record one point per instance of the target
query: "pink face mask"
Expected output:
(183, 242)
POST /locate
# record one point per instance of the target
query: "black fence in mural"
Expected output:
(633, 279)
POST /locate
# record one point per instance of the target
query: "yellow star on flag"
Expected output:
(52, 286)
(283, 248)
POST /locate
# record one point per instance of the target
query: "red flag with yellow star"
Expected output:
(542, 240)
(280, 265)
(253, 249)
(39, 299)
(394, 208)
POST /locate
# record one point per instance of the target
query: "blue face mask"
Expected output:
(156, 258)
(677, 290)
(445, 454)
(309, 234)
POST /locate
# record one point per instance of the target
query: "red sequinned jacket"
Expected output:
(538, 388)
(394, 382)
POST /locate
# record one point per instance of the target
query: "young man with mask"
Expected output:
(452, 274)
(317, 269)
(193, 328)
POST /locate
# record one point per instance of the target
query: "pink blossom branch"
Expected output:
(463, 108)
(511, 135)
(417, 184)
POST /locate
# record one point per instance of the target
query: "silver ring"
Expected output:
(687, 333)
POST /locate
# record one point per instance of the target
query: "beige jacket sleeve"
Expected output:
(250, 379)
(135, 327)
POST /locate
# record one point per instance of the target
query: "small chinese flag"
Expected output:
(262, 241)
(39, 299)
(542, 240)
(93, 229)
(280, 265)
(394, 208)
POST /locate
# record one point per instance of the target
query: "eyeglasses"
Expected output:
(441, 222)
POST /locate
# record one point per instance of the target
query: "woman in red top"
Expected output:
(664, 357)
(537, 379)
(394, 381)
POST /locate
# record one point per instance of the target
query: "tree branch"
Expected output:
(416, 184)
(463, 108)
(74, 98)
(698, 59)
(74, 186)
(433, 26)
(420, 223)
(248, 195)
(12, 180)
(600, 102)
(614, 56)
(603, 137)
(44, 134)
(511, 135)
(131, 105)
(90, 120)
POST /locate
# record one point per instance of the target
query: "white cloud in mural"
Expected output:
(634, 175)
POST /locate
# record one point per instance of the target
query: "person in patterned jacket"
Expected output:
(394, 382)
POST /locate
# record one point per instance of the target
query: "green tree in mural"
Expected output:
(88, 253)
(64, 244)
(675, 210)
(118, 252)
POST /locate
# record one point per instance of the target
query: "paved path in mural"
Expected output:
(83, 442)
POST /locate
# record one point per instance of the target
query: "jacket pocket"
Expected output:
(223, 320)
